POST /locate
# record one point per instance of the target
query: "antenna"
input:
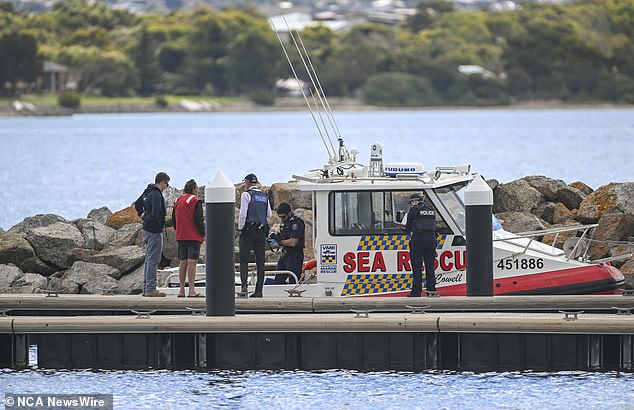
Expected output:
(332, 154)
(335, 155)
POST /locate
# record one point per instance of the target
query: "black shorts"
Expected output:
(188, 250)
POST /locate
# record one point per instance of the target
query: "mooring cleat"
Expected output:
(433, 293)
(570, 315)
(622, 310)
(361, 313)
(51, 293)
(418, 309)
(197, 311)
(294, 293)
(627, 292)
(143, 314)
(242, 294)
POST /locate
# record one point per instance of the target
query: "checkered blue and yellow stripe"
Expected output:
(375, 284)
(328, 259)
(390, 242)
(440, 241)
(383, 243)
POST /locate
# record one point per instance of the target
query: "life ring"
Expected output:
(309, 265)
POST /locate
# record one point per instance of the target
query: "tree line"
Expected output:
(581, 51)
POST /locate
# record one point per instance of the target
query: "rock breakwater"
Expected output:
(103, 254)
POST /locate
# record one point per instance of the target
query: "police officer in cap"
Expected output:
(291, 238)
(254, 227)
(421, 224)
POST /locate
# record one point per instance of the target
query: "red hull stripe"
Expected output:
(581, 280)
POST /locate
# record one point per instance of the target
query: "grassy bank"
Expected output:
(48, 105)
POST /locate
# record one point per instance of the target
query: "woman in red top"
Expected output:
(187, 218)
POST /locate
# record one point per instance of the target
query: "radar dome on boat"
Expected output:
(404, 168)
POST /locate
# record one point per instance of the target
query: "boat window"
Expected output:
(401, 206)
(452, 198)
(371, 213)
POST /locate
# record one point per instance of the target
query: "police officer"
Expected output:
(253, 227)
(421, 224)
(291, 238)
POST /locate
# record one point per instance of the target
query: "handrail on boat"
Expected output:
(530, 235)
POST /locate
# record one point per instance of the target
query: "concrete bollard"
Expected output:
(220, 231)
(479, 208)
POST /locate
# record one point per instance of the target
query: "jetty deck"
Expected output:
(96, 304)
(415, 334)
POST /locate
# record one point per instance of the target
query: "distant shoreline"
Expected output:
(285, 104)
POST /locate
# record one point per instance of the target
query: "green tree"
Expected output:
(253, 61)
(19, 60)
(145, 60)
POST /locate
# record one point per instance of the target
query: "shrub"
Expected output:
(69, 99)
(161, 101)
(399, 90)
(262, 97)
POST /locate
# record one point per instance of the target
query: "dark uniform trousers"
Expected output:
(293, 261)
(255, 240)
(423, 247)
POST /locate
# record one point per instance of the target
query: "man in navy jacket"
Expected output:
(151, 208)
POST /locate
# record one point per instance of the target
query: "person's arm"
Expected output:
(198, 218)
(154, 200)
(408, 224)
(244, 207)
(174, 216)
(295, 234)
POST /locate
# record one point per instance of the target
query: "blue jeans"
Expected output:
(153, 250)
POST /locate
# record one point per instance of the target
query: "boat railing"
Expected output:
(577, 249)
(200, 278)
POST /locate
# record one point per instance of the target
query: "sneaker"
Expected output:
(154, 294)
(256, 295)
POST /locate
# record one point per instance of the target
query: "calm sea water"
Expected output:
(333, 389)
(70, 165)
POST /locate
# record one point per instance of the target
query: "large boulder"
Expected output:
(614, 197)
(570, 197)
(80, 254)
(612, 227)
(8, 275)
(52, 242)
(520, 222)
(123, 217)
(93, 277)
(125, 236)
(96, 235)
(29, 283)
(100, 215)
(581, 187)
(37, 221)
(548, 187)
(124, 259)
(556, 190)
(62, 285)
(289, 192)
(170, 246)
(517, 196)
(16, 249)
(132, 283)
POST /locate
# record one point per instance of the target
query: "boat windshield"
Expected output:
(372, 213)
(452, 199)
